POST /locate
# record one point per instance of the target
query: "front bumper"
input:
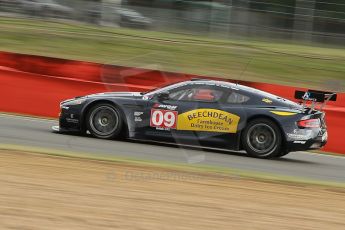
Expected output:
(69, 119)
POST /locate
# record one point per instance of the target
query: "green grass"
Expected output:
(274, 62)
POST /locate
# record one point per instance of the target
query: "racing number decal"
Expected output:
(163, 118)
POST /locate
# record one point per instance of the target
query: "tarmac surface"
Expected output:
(34, 132)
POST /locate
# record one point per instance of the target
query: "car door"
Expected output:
(163, 114)
(211, 115)
(196, 122)
(191, 115)
(194, 114)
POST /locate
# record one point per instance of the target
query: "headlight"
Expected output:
(77, 101)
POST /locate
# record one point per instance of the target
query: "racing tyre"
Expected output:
(262, 139)
(104, 121)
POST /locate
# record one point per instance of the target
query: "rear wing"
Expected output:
(315, 97)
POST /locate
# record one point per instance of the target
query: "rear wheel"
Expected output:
(262, 139)
(104, 121)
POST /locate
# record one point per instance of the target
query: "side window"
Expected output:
(181, 94)
(205, 94)
(208, 95)
(237, 98)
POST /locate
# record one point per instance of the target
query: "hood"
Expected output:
(115, 94)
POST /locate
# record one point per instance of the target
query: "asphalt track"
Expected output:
(37, 133)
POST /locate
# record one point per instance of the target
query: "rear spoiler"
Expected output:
(315, 97)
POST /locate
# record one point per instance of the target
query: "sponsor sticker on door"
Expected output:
(210, 120)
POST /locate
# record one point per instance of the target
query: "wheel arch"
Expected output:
(87, 108)
(263, 116)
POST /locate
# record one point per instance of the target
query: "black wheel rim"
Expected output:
(104, 120)
(261, 138)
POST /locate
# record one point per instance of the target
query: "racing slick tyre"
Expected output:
(104, 121)
(262, 139)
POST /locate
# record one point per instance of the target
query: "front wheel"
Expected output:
(262, 139)
(104, 121)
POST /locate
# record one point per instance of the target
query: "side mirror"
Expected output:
(163, 96)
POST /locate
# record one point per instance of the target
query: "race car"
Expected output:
(203, 113)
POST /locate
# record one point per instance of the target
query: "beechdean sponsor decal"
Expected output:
(210, 120)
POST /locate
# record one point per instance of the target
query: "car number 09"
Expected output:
(163, 118)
